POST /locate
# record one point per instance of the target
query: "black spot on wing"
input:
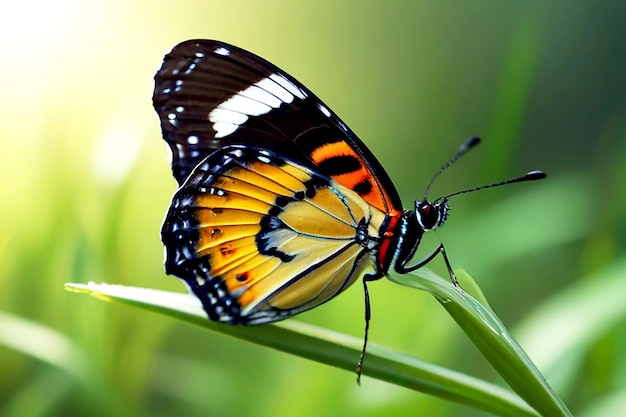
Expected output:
(269, 225)
(312, 185)
(339, 165)
(363, 188)
(282, 201)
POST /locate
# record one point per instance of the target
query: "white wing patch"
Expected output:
(222, 51)
(323, 109)
(258, 99)
(288, 85)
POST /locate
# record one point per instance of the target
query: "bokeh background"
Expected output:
(85, 182)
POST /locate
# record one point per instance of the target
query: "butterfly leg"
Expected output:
(368, 315)
(402, 269)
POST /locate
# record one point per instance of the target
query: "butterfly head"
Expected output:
(431, 215)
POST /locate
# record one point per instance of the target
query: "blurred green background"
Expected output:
(85, 183)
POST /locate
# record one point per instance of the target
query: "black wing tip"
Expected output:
(204, 45)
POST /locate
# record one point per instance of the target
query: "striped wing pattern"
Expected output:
(259, 237)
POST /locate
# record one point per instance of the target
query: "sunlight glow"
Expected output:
(116, 152)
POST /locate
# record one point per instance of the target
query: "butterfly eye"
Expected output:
(429, 215)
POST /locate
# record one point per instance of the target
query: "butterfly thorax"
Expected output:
(395, 231)
(401, 234)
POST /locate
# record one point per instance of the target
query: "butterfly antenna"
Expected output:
(529, 176)
(466, 146)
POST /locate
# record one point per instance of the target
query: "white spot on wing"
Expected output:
(288, 85)
(323, 109)
(190, 68)
(245, 105)
(259, 94)
(228, 116)
(275, 89)
(193, 140)
(223, 129)
(222, 51)
(181, 150)
(256, 100)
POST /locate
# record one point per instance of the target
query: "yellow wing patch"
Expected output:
(325, 281)
(272, 237)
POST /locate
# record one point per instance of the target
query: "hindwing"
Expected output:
(259, 237)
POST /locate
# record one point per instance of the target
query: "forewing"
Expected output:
(209, 94)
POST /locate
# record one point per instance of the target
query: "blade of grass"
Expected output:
(489, 335)
(327, 347)
(574, 320)
(52, 347)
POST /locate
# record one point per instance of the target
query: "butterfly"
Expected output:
(280, 206)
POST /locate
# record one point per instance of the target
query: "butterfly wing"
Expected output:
(209, 95)
(258, 237)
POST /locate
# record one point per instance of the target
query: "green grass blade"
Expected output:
(573, 320)
(327, 347)
(42, 343)
(493, 340)
(49, 346)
